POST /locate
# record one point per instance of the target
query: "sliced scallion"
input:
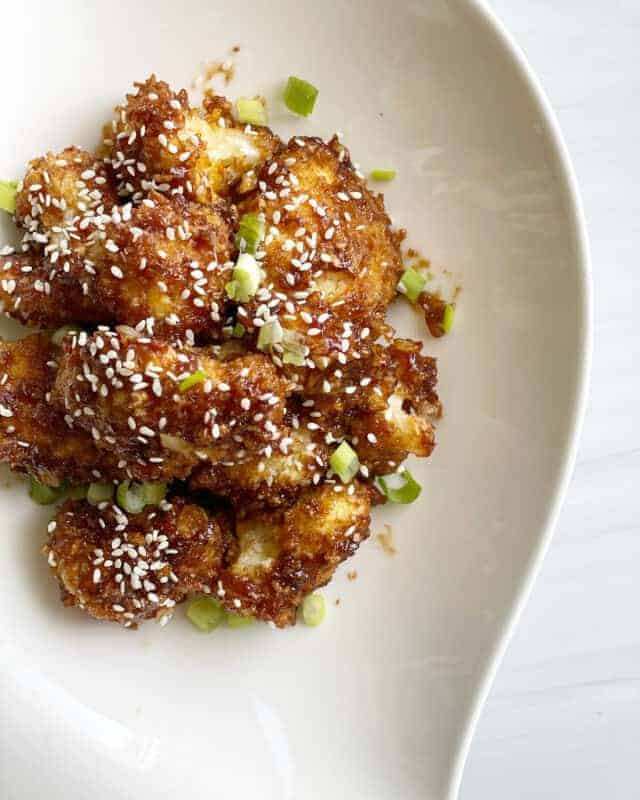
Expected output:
(313, 609)
(344, 462)
(400, 488)
(251, 111)
(448, 318)
(413, 283)
(246, 278)
(8, 192)
(59, 335)
(383, 174)
(270, 334)
(44, 495)
(133, 497)
(205, 613)
(99, 493)
(77, 492)
(300, 96)
(250, 233)
(192, 380)
(293, 349)
(155, 492)
(238, 621)
(238, 330)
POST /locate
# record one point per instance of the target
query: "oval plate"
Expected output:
(379, 701)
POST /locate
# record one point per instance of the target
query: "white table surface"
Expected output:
(563, 717)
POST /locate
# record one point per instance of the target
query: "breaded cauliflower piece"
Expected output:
(281, 556)
(127, 569)
(161, 266)
(129, 393)
(40, 294)
(157, 141)
(330, 256)
(273, 476)
(165, 264)
(34, 437)
(385, 403)
(64, 201)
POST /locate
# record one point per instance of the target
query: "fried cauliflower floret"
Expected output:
(330, 257)
(130, 393)
(385, 403)
(129, 569)
(273, 476)
(34, 437)
(157, 141)
(64, 201)
(281, 556)
(162, 266)
(40, 294)
(165, 265)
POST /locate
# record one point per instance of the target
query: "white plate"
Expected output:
(379, 702)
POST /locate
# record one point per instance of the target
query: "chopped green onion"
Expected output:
(270, 334)
(59, 335)
(8, 192)
(313, 609)
(77, 492)
(192, 380)
(250, 233)
(383, 174)
(238, 330)
(251, 110)
(413, 283)
(44, 495)
(344, 462)
(205, 613)
(246, 278)
(300, 96)
(448, 318)
(294, 348)
(156, 492)
(407, 492)
(99, 493)
(133, 497)
(238, 621)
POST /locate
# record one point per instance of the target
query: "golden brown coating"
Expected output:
(127, 569)
(128, 392)
(273, 476)
(157, 141)
(40, 294)
(161, 266)
(281, 556)
(385, 403)
(331, 258)
(165, 264)
(34, 436)
(64, 202)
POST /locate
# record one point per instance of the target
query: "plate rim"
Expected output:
(580, 240)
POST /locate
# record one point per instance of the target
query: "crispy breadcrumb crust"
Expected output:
(281, 556)
(166, 266)
(63, 202)
(272, 477)
(34, 437)
(125, 391)
(127, 569)
(158, 142)
(331, 258)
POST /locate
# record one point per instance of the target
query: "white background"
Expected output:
(563, 717)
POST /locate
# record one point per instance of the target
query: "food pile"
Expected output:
(213, 390)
